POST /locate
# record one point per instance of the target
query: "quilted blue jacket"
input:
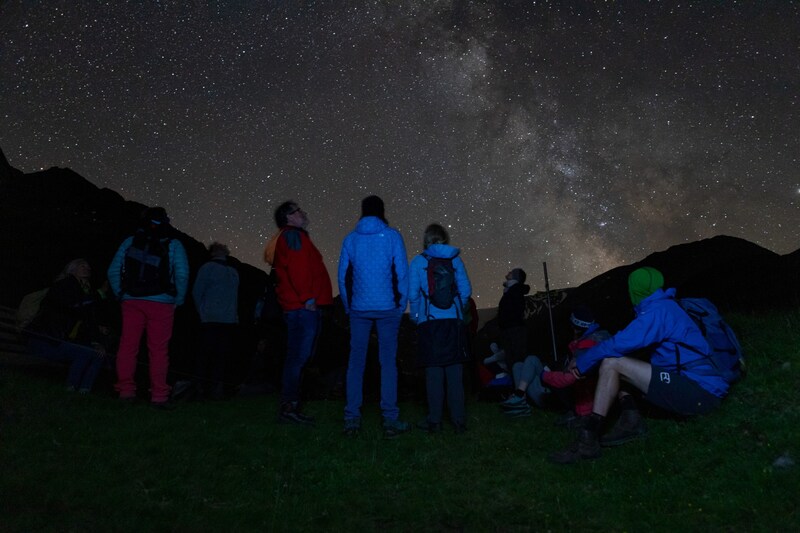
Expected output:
(661, 324)
(420, 311)
(371, 250)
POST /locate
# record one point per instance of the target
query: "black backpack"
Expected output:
(146, 270)
(442, 288)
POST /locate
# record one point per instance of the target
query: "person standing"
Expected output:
(438, 292)
(215, 293)
(511, 317)
(150, 274)
(303, 286)
(373, 284)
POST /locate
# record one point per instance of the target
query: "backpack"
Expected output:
(146, 270)
(29, 308)
(726, 352)
(442, 289)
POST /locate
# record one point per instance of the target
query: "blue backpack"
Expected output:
(726, 352)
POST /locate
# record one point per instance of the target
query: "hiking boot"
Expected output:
(459, 427)
(630, 426)
(519, 412)
(290, 414)
(393, 428)
(513, 403)
(352, 427)
(585, 447)
(430, 427)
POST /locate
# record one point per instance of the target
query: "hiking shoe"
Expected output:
(520, 411)
(430, 427)
(352, 427)
(630, 426)
(290, 414)
(393, 428)
(585, 447)
(70, 388)
(459, 427)
(513, 402)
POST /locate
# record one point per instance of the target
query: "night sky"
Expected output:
(587, 137)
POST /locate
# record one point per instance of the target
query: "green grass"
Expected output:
(73, 463)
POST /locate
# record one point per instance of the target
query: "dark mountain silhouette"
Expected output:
(53, 216)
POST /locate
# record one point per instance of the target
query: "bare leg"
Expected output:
(612, 369)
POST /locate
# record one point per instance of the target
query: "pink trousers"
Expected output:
(156, 319)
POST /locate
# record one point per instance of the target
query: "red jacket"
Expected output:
(300, 271)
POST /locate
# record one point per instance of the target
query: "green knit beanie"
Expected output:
(643, 282)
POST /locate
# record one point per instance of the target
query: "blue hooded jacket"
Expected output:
(372, 249)
(661, 324)
(421, 311)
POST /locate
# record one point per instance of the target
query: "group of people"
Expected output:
(149, 275)
(376, 284)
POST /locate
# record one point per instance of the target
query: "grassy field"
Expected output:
(72, 463)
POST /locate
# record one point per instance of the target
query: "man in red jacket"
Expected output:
(303, 285)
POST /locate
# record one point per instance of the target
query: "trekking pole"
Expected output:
(550, 311)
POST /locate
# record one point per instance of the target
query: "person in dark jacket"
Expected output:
(441, 332)
(679, 377)
(216, 296)
(373, 284)
(66, 327)
(511, 317)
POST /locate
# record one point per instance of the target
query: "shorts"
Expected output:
(678, 394)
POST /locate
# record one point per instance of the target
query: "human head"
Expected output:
(517, 274)
(581, 318)
(218, 250)
(435, 234)
(643, 282)
(372, 206)
(78, 268)
(290, 214)
(156, 217)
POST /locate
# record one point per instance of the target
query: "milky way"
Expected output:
(587, 137)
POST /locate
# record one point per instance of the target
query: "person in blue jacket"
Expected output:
(373, 285)
(679, 377)
(441, 332)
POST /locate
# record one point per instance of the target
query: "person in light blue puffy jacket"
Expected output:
(441, 332)
(373, 285)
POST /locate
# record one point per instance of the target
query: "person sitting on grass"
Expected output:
(535, 381)
(678, 378)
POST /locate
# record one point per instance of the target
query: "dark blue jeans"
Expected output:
(84, 361)
(302, 328)
(387, 324)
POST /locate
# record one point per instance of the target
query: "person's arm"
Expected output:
(414, 287)
(645, 330)
(400, 259)
(344, 264)
(180, 270)
(115, 268)
(462, 280)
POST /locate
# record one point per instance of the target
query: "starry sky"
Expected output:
(584, 134)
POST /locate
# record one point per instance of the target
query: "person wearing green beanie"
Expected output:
(643, 282)
(678, 378)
